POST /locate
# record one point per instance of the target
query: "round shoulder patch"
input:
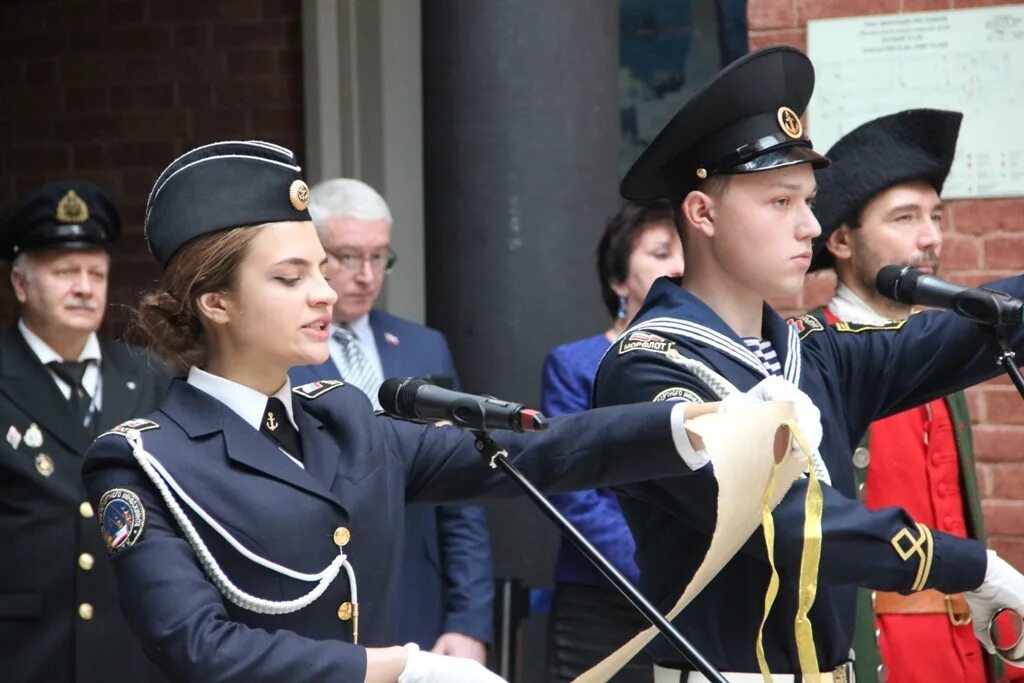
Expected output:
(122, 518)
(678, 394)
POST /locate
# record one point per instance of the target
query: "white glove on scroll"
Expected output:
(1003, 588)
(426, 667)
(778, 389)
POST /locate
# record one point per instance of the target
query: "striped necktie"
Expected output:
(358, 370)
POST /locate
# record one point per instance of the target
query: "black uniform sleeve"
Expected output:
(179, 616)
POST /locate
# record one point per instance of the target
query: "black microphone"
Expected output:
(910, 286)
(412, 398)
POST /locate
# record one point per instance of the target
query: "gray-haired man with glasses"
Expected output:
(447, 588)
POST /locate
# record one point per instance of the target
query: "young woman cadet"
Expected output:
(254, 527)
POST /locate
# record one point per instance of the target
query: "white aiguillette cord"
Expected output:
(164, 482)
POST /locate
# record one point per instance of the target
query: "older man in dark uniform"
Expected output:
(60, 385)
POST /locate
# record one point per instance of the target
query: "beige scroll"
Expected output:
(742, 447)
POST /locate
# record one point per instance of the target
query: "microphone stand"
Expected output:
(495, 456)
(1005, 356)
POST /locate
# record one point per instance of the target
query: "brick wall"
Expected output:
(984, 239)
(112, 90)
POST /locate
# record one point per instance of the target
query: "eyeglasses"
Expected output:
(380, 262)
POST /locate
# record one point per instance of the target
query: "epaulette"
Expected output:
(884, 326)
(315, 389)
(139, 424)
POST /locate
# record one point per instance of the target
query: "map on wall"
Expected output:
(969, 60)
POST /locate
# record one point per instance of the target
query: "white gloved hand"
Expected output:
(778, 389)
(1003, 587)
(426, 667)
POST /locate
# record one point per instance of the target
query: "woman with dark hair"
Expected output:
(639, 245)
(255, 528)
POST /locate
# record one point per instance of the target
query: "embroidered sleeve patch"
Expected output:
(806, 325)
(678, 394)
(879, 327)
(138, 425)
(122, 518)
(314, 389)
(645, 341)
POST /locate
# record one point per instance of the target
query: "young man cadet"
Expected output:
(739, 171)
(61, 384)
(878, 203)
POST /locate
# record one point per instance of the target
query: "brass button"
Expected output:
(85, 611)
(342, 536)
(345, 611)
(86, 561)
(861, 458)
(85, 509)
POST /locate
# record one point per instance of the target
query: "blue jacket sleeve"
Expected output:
(468, 571)
(183, 626)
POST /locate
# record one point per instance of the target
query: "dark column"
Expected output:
(521, 146)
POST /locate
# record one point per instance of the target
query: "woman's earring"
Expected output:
(622, 307)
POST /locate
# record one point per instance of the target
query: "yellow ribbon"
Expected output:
(810, 560)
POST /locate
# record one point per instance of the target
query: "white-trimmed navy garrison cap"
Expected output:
(220, 186)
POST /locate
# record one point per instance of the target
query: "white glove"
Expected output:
(426, 667)
(1003, 587)
(778, 389)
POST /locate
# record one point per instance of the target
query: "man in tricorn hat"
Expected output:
(60, 385)
(738, 169)
(878, 203)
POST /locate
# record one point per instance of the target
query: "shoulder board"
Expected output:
(876, 327)
(137, 425)
(315, 389)
(806, 325)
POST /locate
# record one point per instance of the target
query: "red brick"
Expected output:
(289, 62)
(89, 156)
(765, 14)
(1007, 480)
(977, 216)
(797, 37)
(1009, 548)
(926, 5)
(1004, 406)
(1005, 252)
(278, 9)
(123, 12)
(154, 125)
(193, 94)
(999, 443)
(35, 128)
(214, 124)
(252, 34)
(984, 472)
(976, 404)
(45, 159)
(251, 61)
(143, 96)
(191, 35)
(85, 127)
(1003, 517)
(198, 11)
(91, 98)
(257, 92)
(983, 3)
(267, 122)
(960, 252)
(132, 153)
(826, 9)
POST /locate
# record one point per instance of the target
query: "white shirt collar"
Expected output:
(247, 402)
(849, 307)
(361, 328)
(46, 354)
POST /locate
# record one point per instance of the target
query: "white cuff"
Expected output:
(693, 458)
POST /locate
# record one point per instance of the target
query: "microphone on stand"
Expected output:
(412, 398)
(912, 287)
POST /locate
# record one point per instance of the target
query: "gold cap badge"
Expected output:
(71, 209)
(789, 122)
(298, 195)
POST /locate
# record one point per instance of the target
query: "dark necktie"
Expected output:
(72, 371)
(279, 429)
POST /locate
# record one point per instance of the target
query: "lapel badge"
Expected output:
(33, 437)
(130, 385)
(13, 437)
(44, 464)
(391, 339)
(272, 423)
(71, 209)
(298, 195)
(789, 122)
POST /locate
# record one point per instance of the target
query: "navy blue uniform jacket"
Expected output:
(854, 374)
(447, 582)
(360, 470)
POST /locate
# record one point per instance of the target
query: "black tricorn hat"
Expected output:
(65, 214)
(915, 144)
(220, 186)
(746, 119)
